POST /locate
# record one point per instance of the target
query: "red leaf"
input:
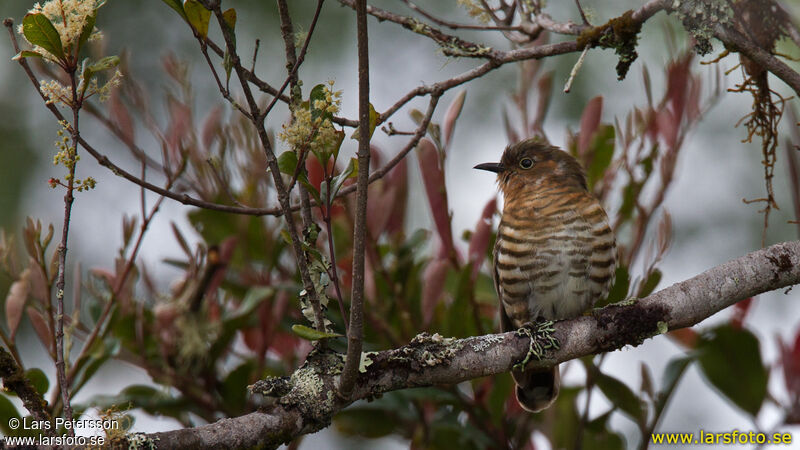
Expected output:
(380, 201)
(41, 328)
(668, 125)
(740, 312)
(397, 178)
(678, 76)
(119, 115)
(590, 120)
(685, 336)
(479, 242)
(450, 117)
(180, 125)
(511, 133)
(315, 173)
(38, 281)
(212, 127)
(790, 360)
(433, 178)
(432, 288)
(15, 301)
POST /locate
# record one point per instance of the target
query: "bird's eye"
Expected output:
(526, 163)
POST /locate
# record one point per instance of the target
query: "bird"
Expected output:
(555, 253)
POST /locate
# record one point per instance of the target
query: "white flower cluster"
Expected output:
(62, 95)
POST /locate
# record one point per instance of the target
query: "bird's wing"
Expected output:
(505, 322)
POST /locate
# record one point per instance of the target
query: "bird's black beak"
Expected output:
(491, 167)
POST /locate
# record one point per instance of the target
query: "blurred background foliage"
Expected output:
(209, 305)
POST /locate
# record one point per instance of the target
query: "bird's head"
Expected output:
(532, 162)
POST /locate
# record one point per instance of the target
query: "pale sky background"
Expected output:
(715, 170)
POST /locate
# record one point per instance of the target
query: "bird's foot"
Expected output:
(541, 338)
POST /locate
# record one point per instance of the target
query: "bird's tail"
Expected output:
(537, 389)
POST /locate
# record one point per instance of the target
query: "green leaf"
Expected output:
(251, 301)
(602, 152)
(7, 411)
(234, 387)
(38, 379)
(27, 54)
(177, 6)
(38, 30)
(287, 162)
(365, 422)
(565, 414)
(669, 381)
(197, 16)
(621, 396)
(106, 63)
(349, 172)
(229, 16)
(619, 291)
(373, 122)
(312, 334)
(730, 359)
(650, 285)
(599, 437)
(227, 64)
(318, 93)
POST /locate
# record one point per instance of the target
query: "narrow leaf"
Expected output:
(41, 328)
(433, 179)
(590, 120)
(479, 242)
(312, 334)
(450, 117)
(602, 152)
(15, 302)
(350, 171)
(26, 54)
(104, 64)
(38, 30)
(86, 32)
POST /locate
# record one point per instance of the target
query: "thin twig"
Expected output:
(292, 77)
(583, 14)
(62, 253)
(355, 334)
(456, 26)
(255, 55)
(575, 69)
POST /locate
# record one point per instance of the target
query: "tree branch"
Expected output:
(741, 44)
(14, 380)
(433, 360)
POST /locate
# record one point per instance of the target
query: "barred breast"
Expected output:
(555, 255)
